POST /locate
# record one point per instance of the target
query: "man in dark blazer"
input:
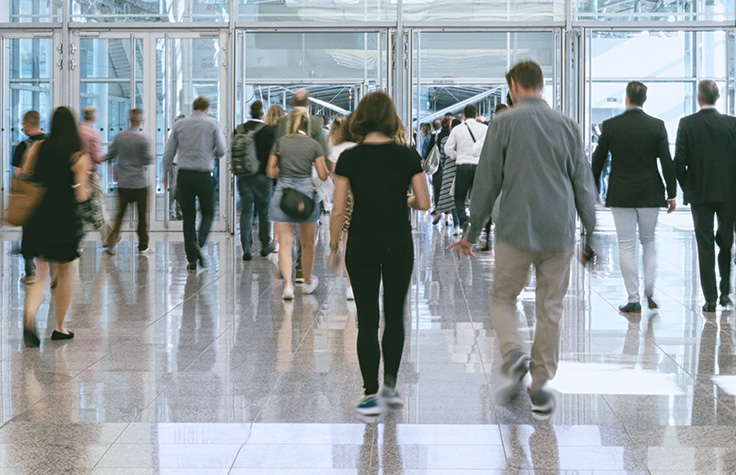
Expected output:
(635, 188)
(705, 158)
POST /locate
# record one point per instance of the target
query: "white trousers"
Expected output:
(626, 221)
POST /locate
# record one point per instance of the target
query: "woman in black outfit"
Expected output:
(378, 172)
(55, 230)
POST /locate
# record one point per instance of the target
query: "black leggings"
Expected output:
(369, 260)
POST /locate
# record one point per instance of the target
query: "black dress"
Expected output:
(54, 231)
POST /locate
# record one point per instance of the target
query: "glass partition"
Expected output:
(30, 11)
(655, 10)
(147, 11)
(329, 11)
(440, 11)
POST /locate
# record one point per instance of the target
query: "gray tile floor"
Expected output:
(211, 372)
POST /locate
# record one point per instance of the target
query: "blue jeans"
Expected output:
(254, 190)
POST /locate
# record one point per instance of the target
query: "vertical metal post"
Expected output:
(167, 120)
(727, 92)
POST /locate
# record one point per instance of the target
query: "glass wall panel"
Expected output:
(669, 63)
(27, 70)
(483, 10)
(150, 11)
(331, 11)
(453, 69)
(655, 10)
(307, 56)
(30, 11)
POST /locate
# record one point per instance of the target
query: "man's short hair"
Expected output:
(135, 116)
(708, 92)
(256, 110)
(437, 124)
(32, 118)
(470, 112)
(201, 104)
(637, 93)
(88, 114)
(527, 75)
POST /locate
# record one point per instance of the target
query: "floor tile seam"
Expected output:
(492, 404)
(640, 454)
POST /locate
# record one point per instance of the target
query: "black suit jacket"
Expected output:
(705, 157)
(636, 140)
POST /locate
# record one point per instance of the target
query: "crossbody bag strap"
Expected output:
(471, 132)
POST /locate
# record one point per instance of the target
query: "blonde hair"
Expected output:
(298, 120)
(340, 130)
(399, 136)
(275, 112)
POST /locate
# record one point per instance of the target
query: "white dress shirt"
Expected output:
(460, 144)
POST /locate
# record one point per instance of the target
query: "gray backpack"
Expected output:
(243, 151)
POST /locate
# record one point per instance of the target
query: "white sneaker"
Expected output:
(288, 293)
(349, 294)
(457, 231)
(144, 251)
(311, 287)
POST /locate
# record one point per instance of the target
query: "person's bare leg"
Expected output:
(285, 234)
(34, 294)
(307, 231)
(63, 295)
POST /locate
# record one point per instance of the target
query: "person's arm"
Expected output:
(112, 150)
(487, 183)
(451, 144)
(419, 199)
(681, 158)
(339, 207)
(220, 144)
(81, 178)
(170, 151)
(272, 169)
(583, 186)
(95, 147)
(319, 164)
(600, 155)
(668, 168)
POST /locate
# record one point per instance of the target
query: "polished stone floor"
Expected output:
(211, 373)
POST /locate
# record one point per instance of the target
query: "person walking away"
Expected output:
(378, 172)
(91, 145)
(31, 127)
(255, 189)
(534, 162)
(134, 155)
(339, 140)
(446, 202)
(55, 230)
(426, 130)
(291, 161)
(705, 155)
(461, 146)
(635, 189)
(196, 141)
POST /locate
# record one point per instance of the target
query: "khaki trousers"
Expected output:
(553, 279)
(95, 190)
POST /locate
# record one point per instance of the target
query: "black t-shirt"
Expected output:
(20, 149)
(380, 176)
(264, 141)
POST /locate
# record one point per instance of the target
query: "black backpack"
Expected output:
(243, 151)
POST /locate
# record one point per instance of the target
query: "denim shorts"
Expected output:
(303, 185)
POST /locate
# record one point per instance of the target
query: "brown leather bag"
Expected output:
(25, 194)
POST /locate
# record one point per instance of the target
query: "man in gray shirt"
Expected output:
(196, 140)
(533, 162)
(132, 149)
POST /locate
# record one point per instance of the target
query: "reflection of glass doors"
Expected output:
(160, 74)
(28, 69)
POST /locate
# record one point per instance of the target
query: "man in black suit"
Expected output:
(635, 188)
(705, 157)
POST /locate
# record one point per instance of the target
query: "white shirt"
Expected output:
(460, 144)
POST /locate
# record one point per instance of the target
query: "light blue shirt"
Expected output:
(195, 141)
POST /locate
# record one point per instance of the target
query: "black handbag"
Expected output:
(296, 204)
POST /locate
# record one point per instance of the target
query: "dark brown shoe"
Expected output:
(652, 304)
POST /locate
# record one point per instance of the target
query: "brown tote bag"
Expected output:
(25, 195)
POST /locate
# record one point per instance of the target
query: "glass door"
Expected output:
(161, 74)
(29, 80)
(188, 66)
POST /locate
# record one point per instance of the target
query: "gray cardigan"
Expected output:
(533, 157)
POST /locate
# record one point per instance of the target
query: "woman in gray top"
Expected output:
(291, 162)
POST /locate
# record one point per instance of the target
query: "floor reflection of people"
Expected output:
(367, 462)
